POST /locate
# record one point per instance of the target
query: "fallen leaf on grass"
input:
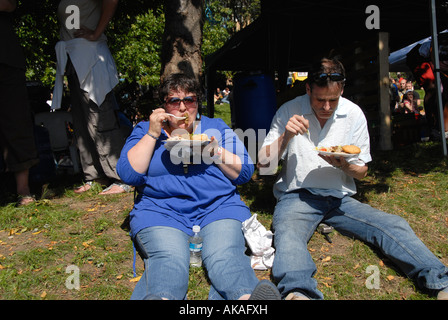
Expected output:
(390, 278)
(43, 295)
(326, 259)
(87, 243)
(136, 279)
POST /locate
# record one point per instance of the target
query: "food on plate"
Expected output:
(330, 149)
(202, 137)
(351, 149)
(348, 149)
(193, 136)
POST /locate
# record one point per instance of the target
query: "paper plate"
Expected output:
(337, 154)
(169, 144)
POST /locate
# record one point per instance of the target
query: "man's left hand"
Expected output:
(337, 162)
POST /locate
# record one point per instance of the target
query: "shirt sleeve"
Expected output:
(232, 143)
(361, 139)
(124, 169)
(277, 128)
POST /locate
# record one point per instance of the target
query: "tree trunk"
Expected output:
(182, 39)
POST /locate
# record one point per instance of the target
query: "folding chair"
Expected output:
(56, 124)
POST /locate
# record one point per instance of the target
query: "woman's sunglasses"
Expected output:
(174, 102)
(332, 76)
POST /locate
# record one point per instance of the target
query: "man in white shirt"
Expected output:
(314, 188)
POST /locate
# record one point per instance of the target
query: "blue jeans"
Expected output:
(167, 266)
(298, 214)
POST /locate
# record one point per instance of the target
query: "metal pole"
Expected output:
(435, 51)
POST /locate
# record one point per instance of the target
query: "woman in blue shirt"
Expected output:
(173, 196)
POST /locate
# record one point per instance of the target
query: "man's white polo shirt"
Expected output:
(302, 167)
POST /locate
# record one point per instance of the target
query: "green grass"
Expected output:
(39, 242)
(223, 111)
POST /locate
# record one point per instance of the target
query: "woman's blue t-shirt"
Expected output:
(167, 196)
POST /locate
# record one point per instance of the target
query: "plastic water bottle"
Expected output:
(196, 248)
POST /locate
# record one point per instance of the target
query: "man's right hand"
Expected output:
(296, 125)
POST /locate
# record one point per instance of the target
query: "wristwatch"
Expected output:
(218, 154)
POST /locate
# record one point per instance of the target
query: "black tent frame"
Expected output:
(290, 34)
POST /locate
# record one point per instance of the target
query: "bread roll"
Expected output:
(351, 149)
(202, 137)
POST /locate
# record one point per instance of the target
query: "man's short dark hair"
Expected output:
(325, 72)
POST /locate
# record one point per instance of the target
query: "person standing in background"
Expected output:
(85, 58)
(17, 142)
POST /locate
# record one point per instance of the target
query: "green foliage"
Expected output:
(37, 29)
(223, 20)
(137, 50)
(134, 35)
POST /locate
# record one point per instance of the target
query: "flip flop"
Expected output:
(25, 200)
(121, 187)
(85, 187)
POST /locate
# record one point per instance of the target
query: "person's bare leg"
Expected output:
(23, 189)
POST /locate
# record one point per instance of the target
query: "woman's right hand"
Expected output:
(156, 121)
(140, 155)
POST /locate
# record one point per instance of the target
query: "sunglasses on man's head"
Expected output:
(174, 102)
(332, 76)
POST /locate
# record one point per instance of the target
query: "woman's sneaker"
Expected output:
(265, 290)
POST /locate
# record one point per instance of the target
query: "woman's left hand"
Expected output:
(211, 149)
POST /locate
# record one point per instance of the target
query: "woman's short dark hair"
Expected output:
(326, 66)
(179, 81)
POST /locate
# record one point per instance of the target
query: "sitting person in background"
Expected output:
(409, 104)
(416, 95)
(172, 199)
(218, 96)
(225, 95)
